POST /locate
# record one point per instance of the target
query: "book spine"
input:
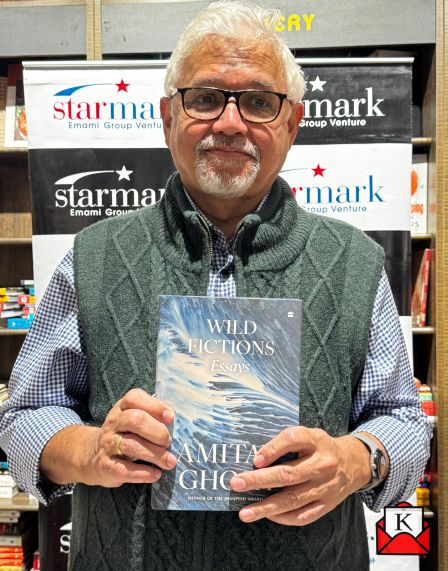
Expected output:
(7, 492)
(11, 550)
(425, 286)
(13, 540)
(6, 480)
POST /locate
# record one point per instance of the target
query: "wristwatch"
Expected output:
(377, 463)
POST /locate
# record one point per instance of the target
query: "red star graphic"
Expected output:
(122, 86)
(318, 171)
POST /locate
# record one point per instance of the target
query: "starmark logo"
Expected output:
(64, 545)
(75, 193)
(324, 198)
(81, 108)
(340, 113)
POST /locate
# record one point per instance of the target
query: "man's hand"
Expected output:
(90, 455)
(326, 472)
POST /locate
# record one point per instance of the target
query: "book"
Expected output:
(419, 195)
(12, 528)
(10, 313)
(6, 480)
(13, 540)
(20, 322)
(419, 302)
(8, 518)
(8, 491)
(8, 305)
(15, 114)
(230, 369)
(10, 556)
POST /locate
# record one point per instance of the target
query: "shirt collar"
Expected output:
(217, 234)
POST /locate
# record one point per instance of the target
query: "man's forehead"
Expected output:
(215, 61)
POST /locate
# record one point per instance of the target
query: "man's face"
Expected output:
(229, 156)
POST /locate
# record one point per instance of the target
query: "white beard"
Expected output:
(219, 182)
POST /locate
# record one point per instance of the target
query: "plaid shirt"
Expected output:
(49, 389)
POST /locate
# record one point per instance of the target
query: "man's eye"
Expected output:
(202, 99)
(259, 102)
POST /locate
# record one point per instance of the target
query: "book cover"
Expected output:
(15, 114)
(229, 368)
(419, 302)
(419, 195)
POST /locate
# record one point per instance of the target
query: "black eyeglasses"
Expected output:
(207, 103)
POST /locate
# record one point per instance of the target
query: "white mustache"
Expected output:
(226, 142)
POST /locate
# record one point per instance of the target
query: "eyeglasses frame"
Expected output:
(227, 95)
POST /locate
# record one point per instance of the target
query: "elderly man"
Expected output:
(81, 408)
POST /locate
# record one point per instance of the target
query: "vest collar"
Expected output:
(270, 238)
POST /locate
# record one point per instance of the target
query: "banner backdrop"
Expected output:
(96, 150)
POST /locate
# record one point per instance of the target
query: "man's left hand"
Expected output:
(327, 471)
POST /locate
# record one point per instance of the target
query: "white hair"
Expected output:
(241, 21)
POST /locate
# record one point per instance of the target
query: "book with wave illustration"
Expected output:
(229, 368)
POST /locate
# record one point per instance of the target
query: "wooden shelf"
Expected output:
(422, 142)
(423, 330)
(10, 150)
(15, 241)
(5, 331)
(22, 502)
(421, 237)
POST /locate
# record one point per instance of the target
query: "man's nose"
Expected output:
(230, 122)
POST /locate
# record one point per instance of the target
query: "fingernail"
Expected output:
(247, 514)
(171, 460)
(259, 460)
(168, 416)
(157, 474)
(237, 484)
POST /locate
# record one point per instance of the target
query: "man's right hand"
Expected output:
(90, 454)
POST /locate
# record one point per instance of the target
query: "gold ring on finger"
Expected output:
(118, 439)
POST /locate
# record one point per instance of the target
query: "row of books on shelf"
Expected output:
(18, 530)
(18, 543)
(426, 398)
(17, 305)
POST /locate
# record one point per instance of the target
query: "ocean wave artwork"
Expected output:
(230, 370)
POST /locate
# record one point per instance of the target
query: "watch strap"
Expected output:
(376, 461)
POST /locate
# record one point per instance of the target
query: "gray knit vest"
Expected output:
(122, 265)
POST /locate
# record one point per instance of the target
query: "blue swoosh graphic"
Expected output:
(71, 90)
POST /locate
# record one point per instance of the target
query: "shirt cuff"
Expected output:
(30, 436)
(407, 461)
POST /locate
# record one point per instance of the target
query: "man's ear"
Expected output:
(167, 118)
(294, 121)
